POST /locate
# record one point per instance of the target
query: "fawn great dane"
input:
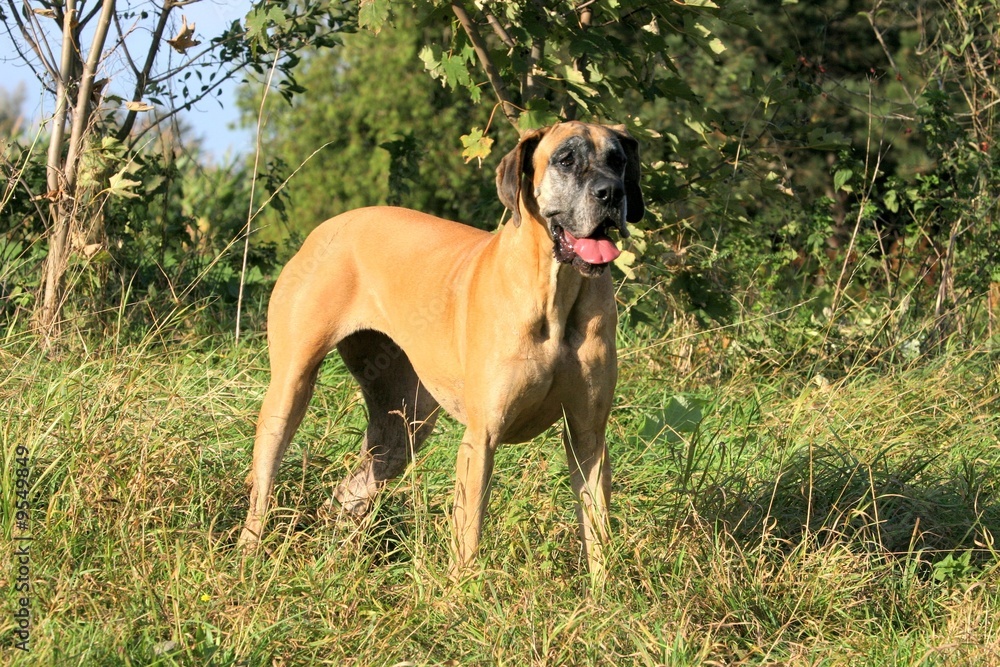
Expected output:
(506, 331)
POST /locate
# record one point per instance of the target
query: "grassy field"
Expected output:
(763, 515)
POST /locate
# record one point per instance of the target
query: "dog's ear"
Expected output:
(512, 169)
(634, 208)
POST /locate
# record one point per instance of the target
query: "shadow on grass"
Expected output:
(890, 506)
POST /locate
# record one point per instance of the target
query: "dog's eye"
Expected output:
(616, 162)
(567, 160)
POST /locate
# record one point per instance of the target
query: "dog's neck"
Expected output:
(561, 284)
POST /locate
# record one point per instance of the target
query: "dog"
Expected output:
(506, 331)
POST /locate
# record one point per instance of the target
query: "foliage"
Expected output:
(805, 435)
(168, 239)
(11, 118)
(92, 137)
(793, 153)
(351, 143)
(803, 160)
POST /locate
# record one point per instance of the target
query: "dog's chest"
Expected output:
(573, 373)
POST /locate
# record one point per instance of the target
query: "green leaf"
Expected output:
(697, 126)
(475, 93)
(705, 37)
(372, 14)
(624, 262)
(102, 257)
(891, 201)
(455, 70)
(153, 183)
(257, 23)
(681, 415)
(477, 146)
(841, 179)
(120, 186)
(674, 88)
(431, 58)
(537, 114)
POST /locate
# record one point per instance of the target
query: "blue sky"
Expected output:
(210, 121)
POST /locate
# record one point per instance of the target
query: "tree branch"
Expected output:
(885, 49)
(82, 116)
(530, 87)
(498, 28)
(86, 19)
(190, 60)
(53, 171)
(496, 81)
(143, 77)
(124, 46)
(176, 110)
(32, 41)
(580, 64)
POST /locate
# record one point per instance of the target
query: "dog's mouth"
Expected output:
(589, 254)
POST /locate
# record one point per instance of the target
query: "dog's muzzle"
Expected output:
(589, 254)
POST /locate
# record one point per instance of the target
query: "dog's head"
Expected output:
(581, 181)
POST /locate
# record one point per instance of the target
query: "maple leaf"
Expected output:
(185, 37)
(476, 145)
(372, 14)
(120, 185)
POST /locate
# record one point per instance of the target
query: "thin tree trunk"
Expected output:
(55, 261)
(62, 176)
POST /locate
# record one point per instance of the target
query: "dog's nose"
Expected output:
(607, 190)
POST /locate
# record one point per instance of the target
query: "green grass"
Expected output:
(761, 517)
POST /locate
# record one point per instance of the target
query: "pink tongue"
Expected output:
(594, 251)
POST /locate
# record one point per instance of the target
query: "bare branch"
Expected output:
(38, 36)
(86, 19)
(33, 42)
(124, 46)
(142, 79)
(498, 28)
(189, 60)
(176, 110)
(885, 49)
(496, 81)
(580, 64)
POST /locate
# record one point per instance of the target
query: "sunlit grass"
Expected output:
(760, 518)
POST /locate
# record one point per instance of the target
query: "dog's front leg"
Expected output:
(473, 471)
(590, 472)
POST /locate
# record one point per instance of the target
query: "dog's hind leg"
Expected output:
(292, 382)
(401, 414)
